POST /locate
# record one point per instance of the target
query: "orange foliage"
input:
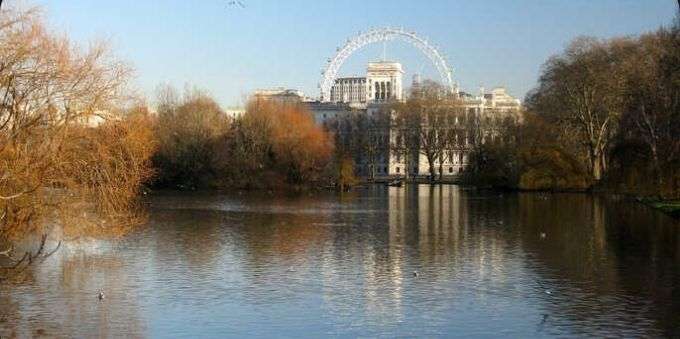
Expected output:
(58, 174)
(108, 165)
(301, 149)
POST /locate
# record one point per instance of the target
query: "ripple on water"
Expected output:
(219, 265)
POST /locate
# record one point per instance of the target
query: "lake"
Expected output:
(415, 261)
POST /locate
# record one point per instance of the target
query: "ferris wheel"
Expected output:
(330, 72)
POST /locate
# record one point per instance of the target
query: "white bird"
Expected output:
(101, 296)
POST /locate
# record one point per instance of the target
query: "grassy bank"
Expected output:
(670, 207)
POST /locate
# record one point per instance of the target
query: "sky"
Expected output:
(230, 50)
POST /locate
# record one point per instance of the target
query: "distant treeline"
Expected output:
(274, 145)
(605, 114)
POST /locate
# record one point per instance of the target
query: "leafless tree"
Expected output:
(582, 89)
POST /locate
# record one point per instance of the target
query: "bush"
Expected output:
(528, 158)
(551, 169)
(273, 146)
(345, 178)
(188, 132)
(494, 165)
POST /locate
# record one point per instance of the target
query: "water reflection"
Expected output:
(63, 291)
(215, 265)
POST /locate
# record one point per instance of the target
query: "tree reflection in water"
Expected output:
(325, 264)
(59, 299)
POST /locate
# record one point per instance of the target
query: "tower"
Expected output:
(384, 81)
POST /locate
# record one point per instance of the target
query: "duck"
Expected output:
(101, 296)
(415, 274)
(542, 235)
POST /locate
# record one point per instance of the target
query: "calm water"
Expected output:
(327, 265)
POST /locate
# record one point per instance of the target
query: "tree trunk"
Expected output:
(431, 165)
(597, 167)
(441, 167)
(657, 166)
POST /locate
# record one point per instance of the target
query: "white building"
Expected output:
(488, 108)
(383, 83)
(279, 94)
(349, 90)
(235, 112)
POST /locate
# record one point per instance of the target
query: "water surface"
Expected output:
(488, 265)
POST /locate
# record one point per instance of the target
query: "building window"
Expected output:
(398, 169)
(450, 169)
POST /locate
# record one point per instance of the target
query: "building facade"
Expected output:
(279, 94)
(383, 82)
(351, 90)
(360, 112)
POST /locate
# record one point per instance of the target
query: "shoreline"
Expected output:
(670, 207)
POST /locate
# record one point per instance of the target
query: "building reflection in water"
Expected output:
(285, 266)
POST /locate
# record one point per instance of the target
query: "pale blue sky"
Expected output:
(230, 50)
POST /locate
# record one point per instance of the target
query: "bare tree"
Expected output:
(652, 113)
(418, 123)
(582, 89)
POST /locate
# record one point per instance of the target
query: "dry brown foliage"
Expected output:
(106, 167)
(59, 173)
(299, 149)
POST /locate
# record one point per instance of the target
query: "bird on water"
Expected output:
(101, 296)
